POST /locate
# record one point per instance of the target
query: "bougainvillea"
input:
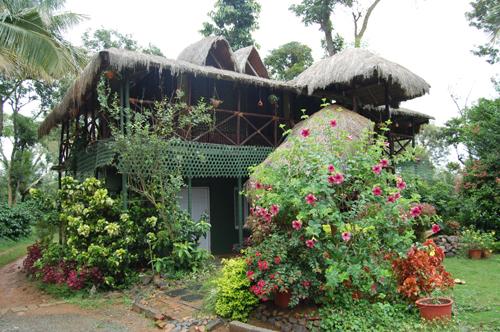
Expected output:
(421, 271)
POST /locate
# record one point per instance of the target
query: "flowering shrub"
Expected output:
(421, 271)
(337, 208)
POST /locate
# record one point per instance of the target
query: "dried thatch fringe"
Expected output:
(118, 60)
(197, 53)
(359, 64)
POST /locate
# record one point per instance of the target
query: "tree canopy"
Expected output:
(235, 20)
(289, 60)
(102, 38)
(485, 15)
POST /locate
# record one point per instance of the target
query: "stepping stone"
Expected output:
(177, 292)
(191, 297)
(195, 287)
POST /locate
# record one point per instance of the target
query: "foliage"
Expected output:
(32, 42)
(235, 20)
(478, 129)
(102, 39)
(421, 272)
(319, 12)
(471, 238)
(365, 316)
(485, 16)
(47, 222)
(337, 209)
(11, 251)
(16, 221)
(233, 299)
(289, 60)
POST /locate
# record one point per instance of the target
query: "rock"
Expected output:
(161, 324)
(146, 279)
(299, 328)
(19, 309)
(169, 327)
(93, 291)
(293, 320)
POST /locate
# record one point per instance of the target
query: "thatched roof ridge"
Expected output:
(401, 111)
(119, 60)
(199, 53)
(357, 64)
(251, 55)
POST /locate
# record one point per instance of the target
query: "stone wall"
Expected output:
(449, 243)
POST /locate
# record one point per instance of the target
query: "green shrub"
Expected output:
(233, 299)
(16, 221)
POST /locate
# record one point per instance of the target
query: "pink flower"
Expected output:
(377, 169)
(311, 199)
(333, 123)
(258, 254)
(306, 283)
(387, 144)
(331, 168)
(346, 236)
(310, 243)
(277, 260)
(338, 178)
(297, 224)
(377, 191)
(391, 198)
(397, 195)
(275, 209)
(261, 283)
(262, 265)
(416, 211)
(258, 185)
(384, 163)
(305, 132)
(401, 184)
(349, 137)
(250, 275)
(435, 228)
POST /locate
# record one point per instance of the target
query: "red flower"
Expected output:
(331, 168)
(435, 228)
(311, 199)
(277, 260)
(305, 132)
(377, 169)
(338, 178)
(250, 275)
(272, 276)
(262, 265)
(377, 191)
(416, 211)
(306, 283)
(261, 283)
(297, 224)
(384, 162)
(391, 198)
(258, 254)
(400, 184)
(310, 243)
(275, 209)
(258, 185)
(333, 123)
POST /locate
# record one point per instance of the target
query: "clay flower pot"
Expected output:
(437, 308)
(475, 253)
(487, 253)
(109, 74)
(215, 102)
(282, 299)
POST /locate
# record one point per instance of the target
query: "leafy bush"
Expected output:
(421, 272)
(338, 210)
(233, 298)
(470, 238)
(16, 221)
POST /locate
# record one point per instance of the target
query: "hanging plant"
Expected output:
(273, 99)
(260, 104)
(109, 74)
(216, 102)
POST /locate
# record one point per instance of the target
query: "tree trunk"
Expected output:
(327, 29)
(359, 36)
(1, 117)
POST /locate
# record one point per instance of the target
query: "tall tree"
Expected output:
(485, 15)
(320, 12)
(235, 20)
(361, 15)
(31, 43)
(289, 60)
(103, 38)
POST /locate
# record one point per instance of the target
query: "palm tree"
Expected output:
(31, 43)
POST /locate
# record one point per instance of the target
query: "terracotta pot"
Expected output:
(282, 299)
(475, 253)
(215, 102)
(431, 311)
(487, 253)
(109, 74)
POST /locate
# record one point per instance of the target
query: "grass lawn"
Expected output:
(477, 303)
(12, 250)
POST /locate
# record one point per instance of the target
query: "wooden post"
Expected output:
(190, 202)
(238, 118)
(240, 213)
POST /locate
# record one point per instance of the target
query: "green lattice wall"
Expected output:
(195, 159)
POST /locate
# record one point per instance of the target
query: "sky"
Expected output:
(432, 38)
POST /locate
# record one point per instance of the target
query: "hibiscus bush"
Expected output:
(327, 213)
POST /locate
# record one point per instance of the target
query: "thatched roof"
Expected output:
(210, 51)
(120, 60)
(402, 112)
(358, 72)
(250, 62)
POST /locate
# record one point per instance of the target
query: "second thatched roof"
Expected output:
(212, 51)
(249, 62)
(354, 71)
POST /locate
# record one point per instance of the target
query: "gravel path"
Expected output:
(23, 307)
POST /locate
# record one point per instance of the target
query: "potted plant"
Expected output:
(488, 243)
(215, 102)
(471, 241)
(421, 277)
